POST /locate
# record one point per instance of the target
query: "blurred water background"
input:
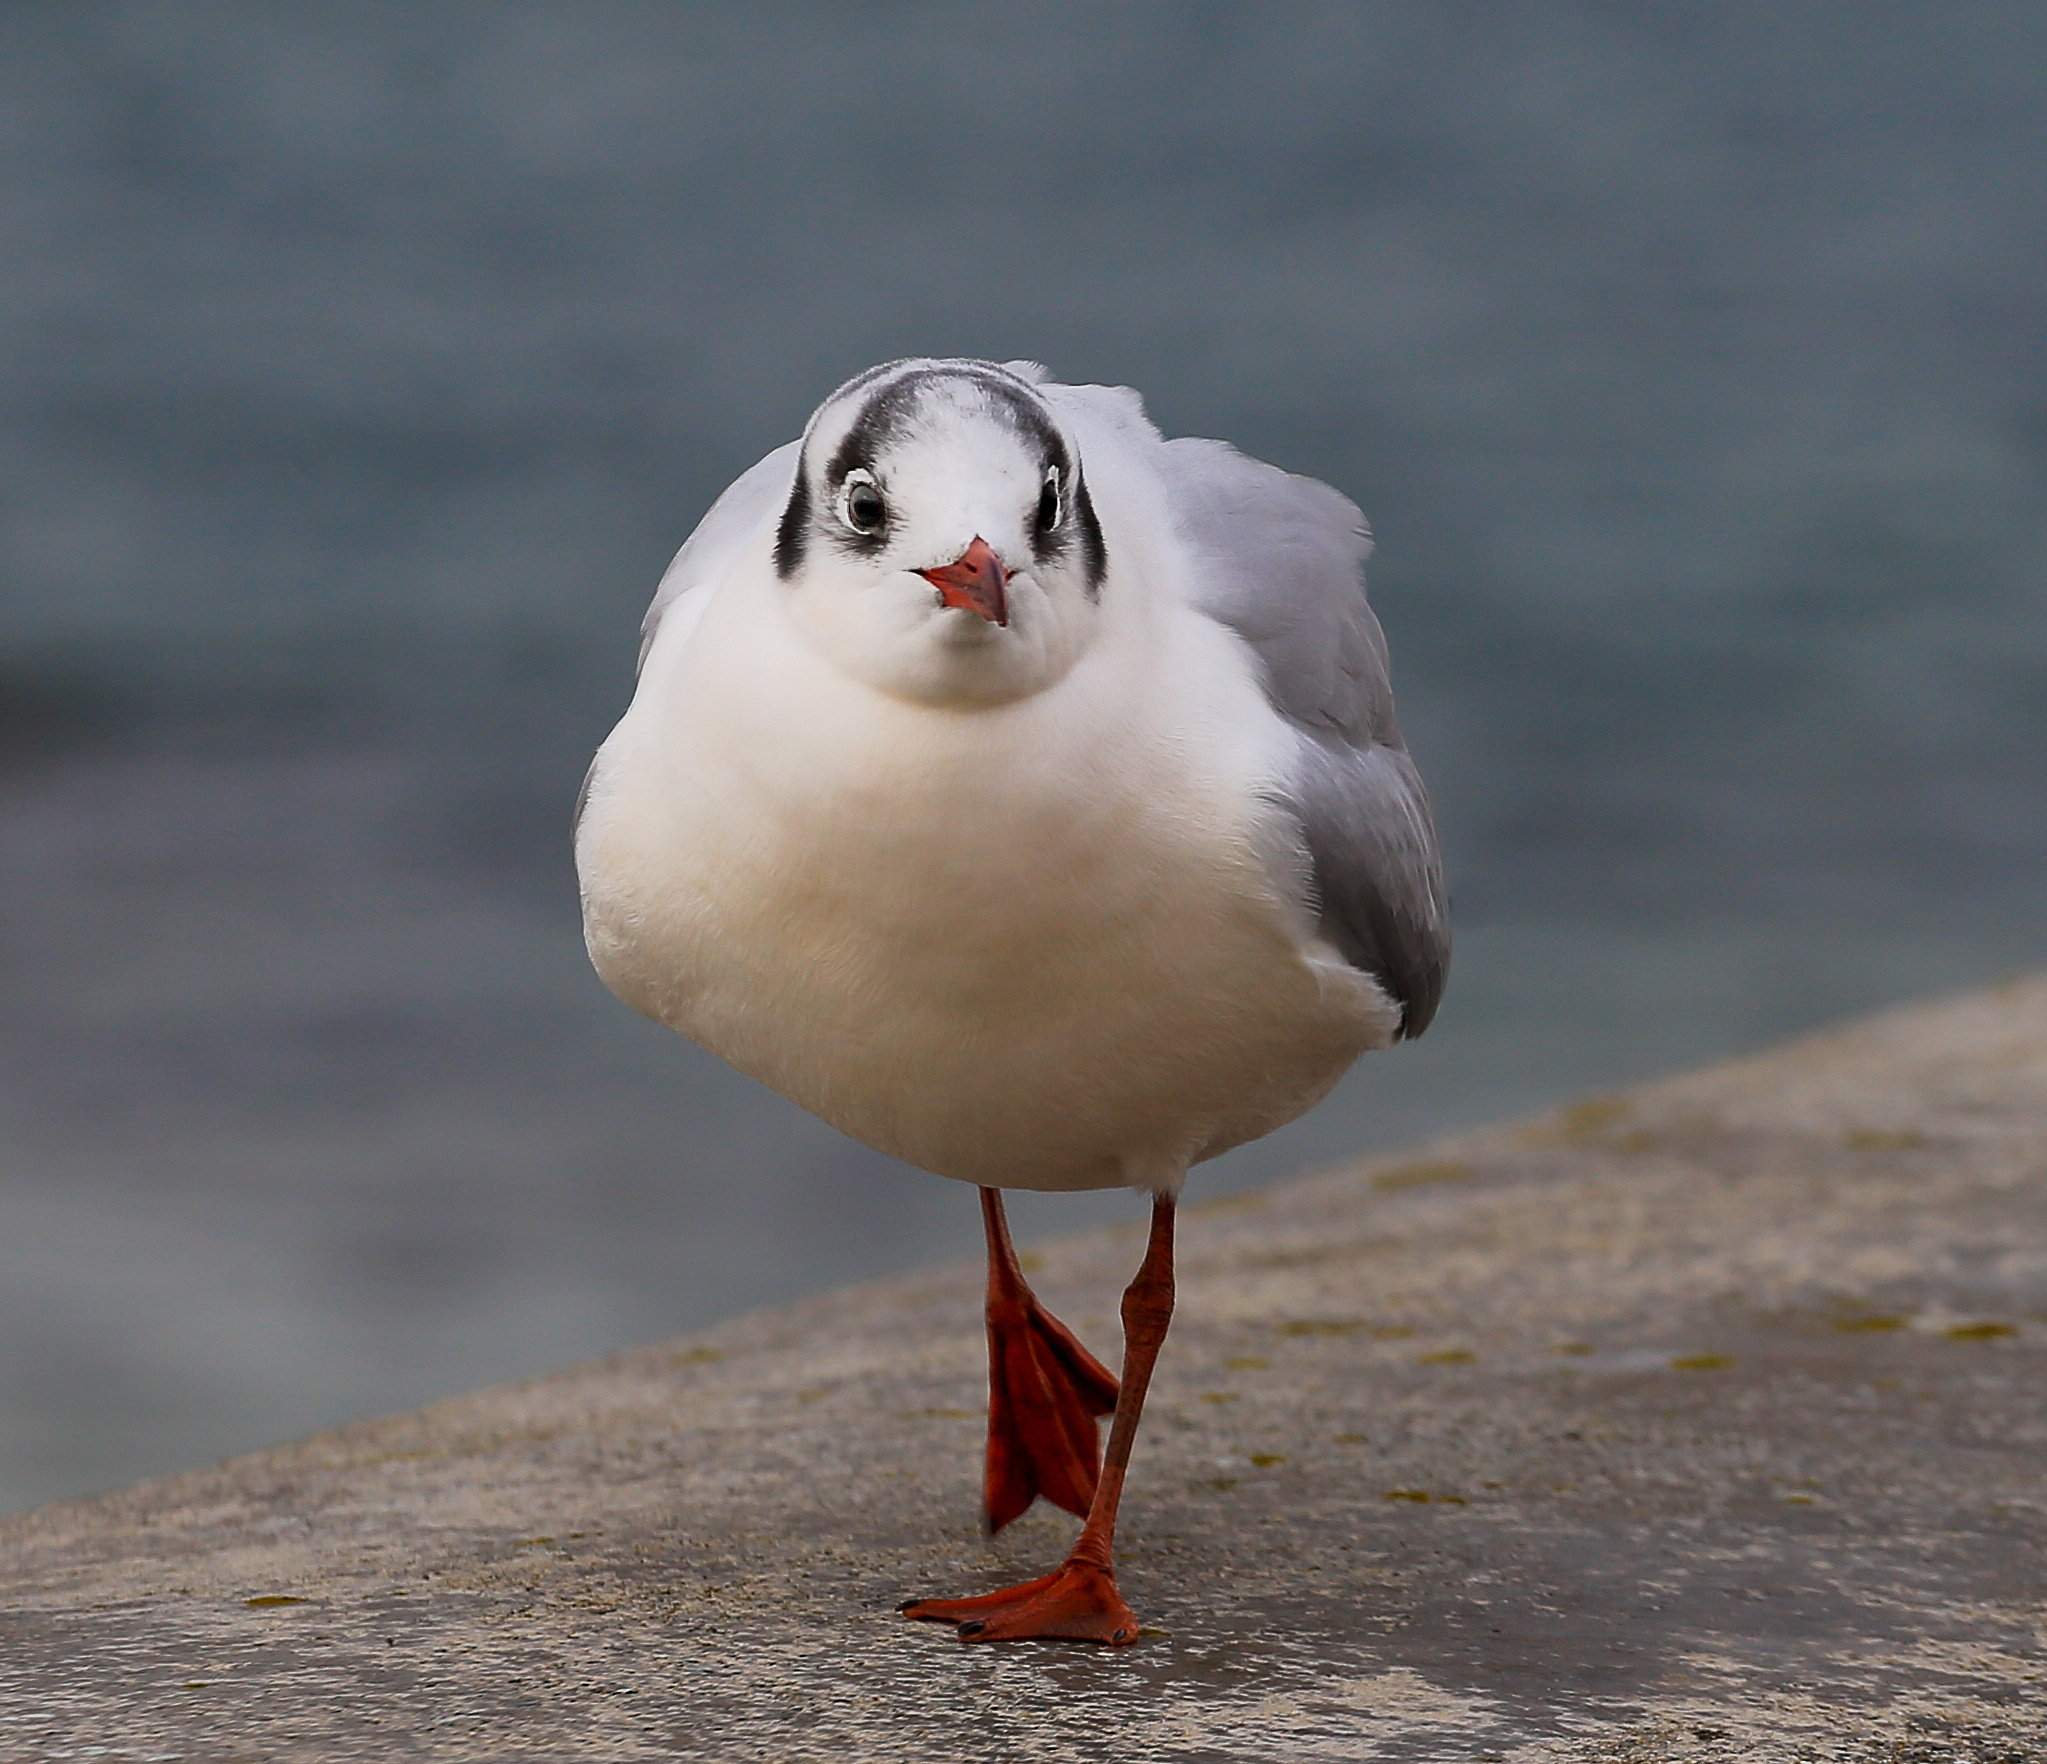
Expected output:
(364, 363)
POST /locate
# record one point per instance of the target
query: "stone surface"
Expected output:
(1704, 1422)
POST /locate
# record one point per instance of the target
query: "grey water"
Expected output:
(362, 366)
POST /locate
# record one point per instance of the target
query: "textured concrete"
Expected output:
(1705, 1422)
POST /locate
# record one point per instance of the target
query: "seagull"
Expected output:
(1020, 791)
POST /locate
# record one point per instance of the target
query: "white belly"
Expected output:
(1035, 946)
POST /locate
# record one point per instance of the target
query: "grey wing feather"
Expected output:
(1279, 559)
(754, 497)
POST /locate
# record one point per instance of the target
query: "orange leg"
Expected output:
(1078, 1601)
(1044, 1392)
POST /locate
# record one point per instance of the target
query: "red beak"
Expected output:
(975, 582)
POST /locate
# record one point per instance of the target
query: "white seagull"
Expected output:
(1020, 792)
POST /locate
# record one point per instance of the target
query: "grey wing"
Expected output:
(1279, 559)
(756, 496)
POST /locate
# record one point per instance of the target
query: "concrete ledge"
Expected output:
(1705, 1422)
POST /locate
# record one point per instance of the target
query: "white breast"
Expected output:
(1037, 945)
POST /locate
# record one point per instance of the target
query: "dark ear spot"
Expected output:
(1094, 555)
(794, 532)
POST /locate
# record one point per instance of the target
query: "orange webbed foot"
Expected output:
(1044, 1392)
(1076, 1602)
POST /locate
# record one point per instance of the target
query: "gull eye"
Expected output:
(860, 504)
(1049, 505)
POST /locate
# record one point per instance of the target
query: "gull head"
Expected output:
(939, 542)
